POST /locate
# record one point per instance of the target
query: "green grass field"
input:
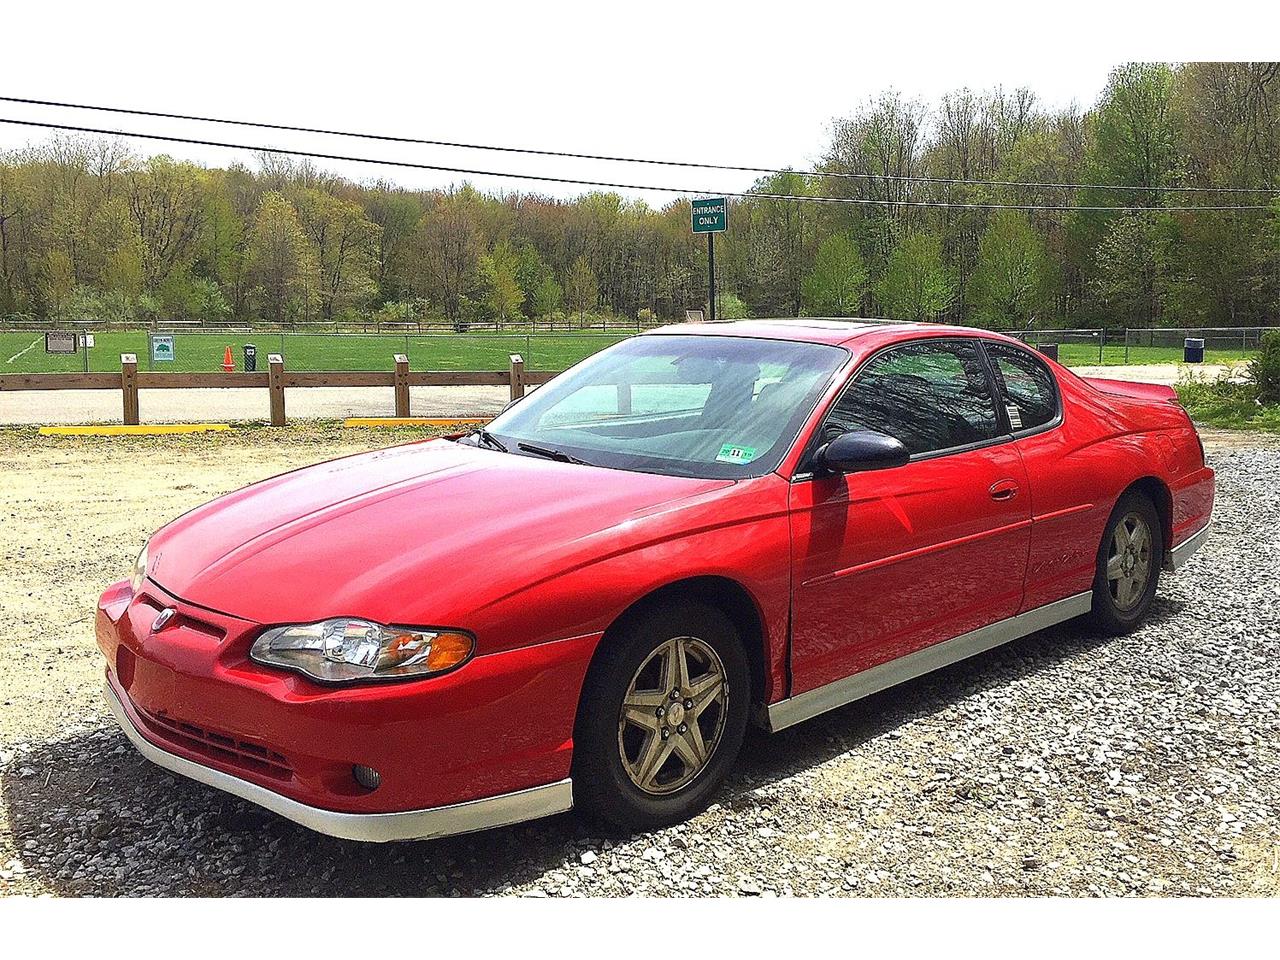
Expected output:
(1086, 354)
(203, 352)
(23, 352)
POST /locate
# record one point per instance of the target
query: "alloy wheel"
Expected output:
(1129, 561)
(673, 715)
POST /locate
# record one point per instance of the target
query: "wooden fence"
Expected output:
(276, 380)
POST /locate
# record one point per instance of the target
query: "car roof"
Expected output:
(818, 329)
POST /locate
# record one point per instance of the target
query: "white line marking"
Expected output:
(24, 350)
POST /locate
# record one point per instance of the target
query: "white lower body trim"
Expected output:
(407, 825)
(1183, 551)
(795, 709)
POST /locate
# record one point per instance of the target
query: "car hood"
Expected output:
(429, 526)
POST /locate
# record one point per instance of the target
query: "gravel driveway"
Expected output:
(1063, 763)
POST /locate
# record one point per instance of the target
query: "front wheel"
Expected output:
(1128, 565)
(662, 720)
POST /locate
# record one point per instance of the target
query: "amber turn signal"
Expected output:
(448, 650)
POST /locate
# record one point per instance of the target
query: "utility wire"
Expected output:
(607, 184)
(611, 159)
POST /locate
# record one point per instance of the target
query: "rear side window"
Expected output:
(932, 395)
(1030, 394)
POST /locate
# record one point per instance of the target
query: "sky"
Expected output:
(740, 83)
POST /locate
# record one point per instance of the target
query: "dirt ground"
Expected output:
(979, 781)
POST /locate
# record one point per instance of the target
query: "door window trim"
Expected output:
(1000, 387)
(804, 469)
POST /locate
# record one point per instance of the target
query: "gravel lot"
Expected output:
(1061, 764)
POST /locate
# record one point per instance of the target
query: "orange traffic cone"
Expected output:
(228, 364)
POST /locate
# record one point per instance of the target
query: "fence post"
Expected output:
(1126, 344)
(517, 376)
(129, 387)
(402, 385)
(275, 387)
(1102, 342)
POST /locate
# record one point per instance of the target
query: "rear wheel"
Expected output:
(662, 718)
(1128, 565)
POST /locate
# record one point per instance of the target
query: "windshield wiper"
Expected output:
(488, 439)
(551, 454)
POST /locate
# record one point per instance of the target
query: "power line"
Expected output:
(494, 148)
(611, 185)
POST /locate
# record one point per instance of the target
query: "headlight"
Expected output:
(139, 570)
(345, 649)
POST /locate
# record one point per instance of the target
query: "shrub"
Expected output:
(729, 306)
(1264, 369)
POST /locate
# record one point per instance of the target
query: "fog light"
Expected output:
(367, 777)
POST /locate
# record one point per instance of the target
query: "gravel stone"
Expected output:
(1064, 764)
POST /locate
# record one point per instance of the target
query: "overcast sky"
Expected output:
(737, 83)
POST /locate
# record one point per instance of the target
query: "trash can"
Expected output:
(1193, 350)
(1050, 350)
(250, 358)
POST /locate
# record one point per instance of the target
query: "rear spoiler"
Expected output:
(1151, 392)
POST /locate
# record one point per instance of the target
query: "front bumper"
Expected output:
(488, 744)
(466, 817)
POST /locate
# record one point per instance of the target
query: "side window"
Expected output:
(1030, 395)
(932, 395)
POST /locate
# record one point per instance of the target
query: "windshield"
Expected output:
(695, 406)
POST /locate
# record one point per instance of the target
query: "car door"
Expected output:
(1062, 464)
(887, 562)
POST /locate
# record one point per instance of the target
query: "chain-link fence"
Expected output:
(1145, 345)
(206, 350)
(188, 351)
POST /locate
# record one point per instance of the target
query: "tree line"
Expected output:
(88, 229)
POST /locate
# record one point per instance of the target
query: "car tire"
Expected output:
(1128, 567)
(613, 751)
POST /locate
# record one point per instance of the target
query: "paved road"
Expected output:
(223, 404)
(170, 406)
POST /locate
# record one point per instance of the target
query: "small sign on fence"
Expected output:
(60, 341)
(161, 349)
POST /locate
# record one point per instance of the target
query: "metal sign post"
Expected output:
(710, 216)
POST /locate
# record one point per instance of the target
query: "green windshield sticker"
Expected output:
(732, 453)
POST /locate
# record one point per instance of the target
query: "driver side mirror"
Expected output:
(860, 450)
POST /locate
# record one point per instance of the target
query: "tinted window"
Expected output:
(931, 395)
(1028, 387)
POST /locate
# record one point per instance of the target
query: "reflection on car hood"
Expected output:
(418, 527)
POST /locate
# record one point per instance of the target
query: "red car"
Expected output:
(587, 602)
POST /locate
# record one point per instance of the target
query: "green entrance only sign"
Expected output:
(710, 215)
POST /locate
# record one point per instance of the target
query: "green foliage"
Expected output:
(838, 281)
(535, 277)
(547, 297)
(916, 284)
(281, 262)
(729, 306)
(146, 230)
(1011, 284)
(1227, 403)
(499, 275)
(344, 246)
(1264, 369)
(1131, 269)
(581, 286)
